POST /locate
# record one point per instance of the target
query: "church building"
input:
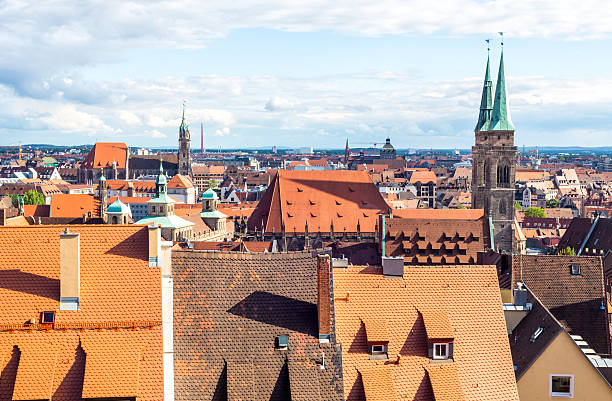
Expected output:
(494, 156)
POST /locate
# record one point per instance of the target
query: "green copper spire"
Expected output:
(486, 102)
(184, 127)
(501, 113)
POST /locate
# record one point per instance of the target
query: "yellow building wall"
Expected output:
(563, 357)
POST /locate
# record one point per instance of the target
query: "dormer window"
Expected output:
(282, 343)
(377, 336)
(440, 350)
(440, 335)
(47, 317)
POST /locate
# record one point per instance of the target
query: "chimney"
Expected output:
(324, 297)
(393, 266)
(154, 246)
(70, 270)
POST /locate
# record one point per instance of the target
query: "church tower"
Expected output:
(494, 156)
(184, 151)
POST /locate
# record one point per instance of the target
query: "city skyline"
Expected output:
(300, 76)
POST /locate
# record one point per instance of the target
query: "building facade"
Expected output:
(494, 156)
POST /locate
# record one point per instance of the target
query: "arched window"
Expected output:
(502, 207)
(487, 172)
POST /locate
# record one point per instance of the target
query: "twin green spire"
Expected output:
(497, 116)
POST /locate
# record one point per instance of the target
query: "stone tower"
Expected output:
(184, 151)
(494, 156)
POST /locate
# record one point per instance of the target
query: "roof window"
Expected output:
(575, 269)
(441, 350)
(282, 343)
(47, 317)
(536, 334)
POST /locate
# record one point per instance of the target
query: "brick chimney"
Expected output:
(70, 270)
(324, 297)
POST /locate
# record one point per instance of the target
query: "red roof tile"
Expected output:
(103, 154)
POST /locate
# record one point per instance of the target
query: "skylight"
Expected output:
(536, 334)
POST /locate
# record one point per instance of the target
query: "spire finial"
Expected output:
(488, 45)
(502, 38)
(184, 101)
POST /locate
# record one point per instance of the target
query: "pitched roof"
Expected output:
(526, 347)
(319, 198)
(445, 382)
(37, 210)
(229, 308)
(574, 300)
(422, 177)
(471, 297)
(425, 240)
(119, 291)
(437, 324)
(103, 154)
(578, 230)
(74, 205)
(180, 181)
(458, 214)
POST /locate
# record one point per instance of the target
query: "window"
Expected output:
(562, 386)
(282, 343)
(47, 317)
(378, 349)
(440, 351)
(536, 334)
(575, 269)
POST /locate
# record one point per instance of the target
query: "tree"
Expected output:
(31, 197)
(535, 212)
(567, 251)
(552, 203)
(517, 206)
(460, 206)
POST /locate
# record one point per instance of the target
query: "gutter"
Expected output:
(383, 232)
(491, 233)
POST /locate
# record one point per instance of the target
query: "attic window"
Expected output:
(338, 202)
(300, 189)
(312, 202)
(351, 189)
(441, 350)
(282, 343)
(289, 203)
(47, 317)
(575, 269)
(536, 334)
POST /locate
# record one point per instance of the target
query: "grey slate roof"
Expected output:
(229, 307)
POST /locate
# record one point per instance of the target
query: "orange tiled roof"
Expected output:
(472, 298)
(376, 329)
(119, 291)
(320, 198)
(36, 210)
(378, 384)
(445, 382)
(180, 181)
(103, 154)
(437, 324)
(423, 177)
(74, 205)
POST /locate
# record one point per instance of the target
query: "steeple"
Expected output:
(184, 127)
(486, 101)
(500, 121)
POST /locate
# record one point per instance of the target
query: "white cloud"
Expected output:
(276, 103)
(129, 118)
(67, 118)
(157, 135)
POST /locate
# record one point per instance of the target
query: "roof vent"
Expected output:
(393, 266)
(340, 262)
(536, 334)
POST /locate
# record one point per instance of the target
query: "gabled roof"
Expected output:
(319, 198)
(578, 231)
(93, 350)
(471, 297)
(229, 309)
(103, 154)
(574, 300)
(180, 181)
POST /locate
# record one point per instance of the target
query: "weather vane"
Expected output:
(502, 38)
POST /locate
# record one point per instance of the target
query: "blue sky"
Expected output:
(300, 73)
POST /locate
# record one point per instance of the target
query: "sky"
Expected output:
(293, 73)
